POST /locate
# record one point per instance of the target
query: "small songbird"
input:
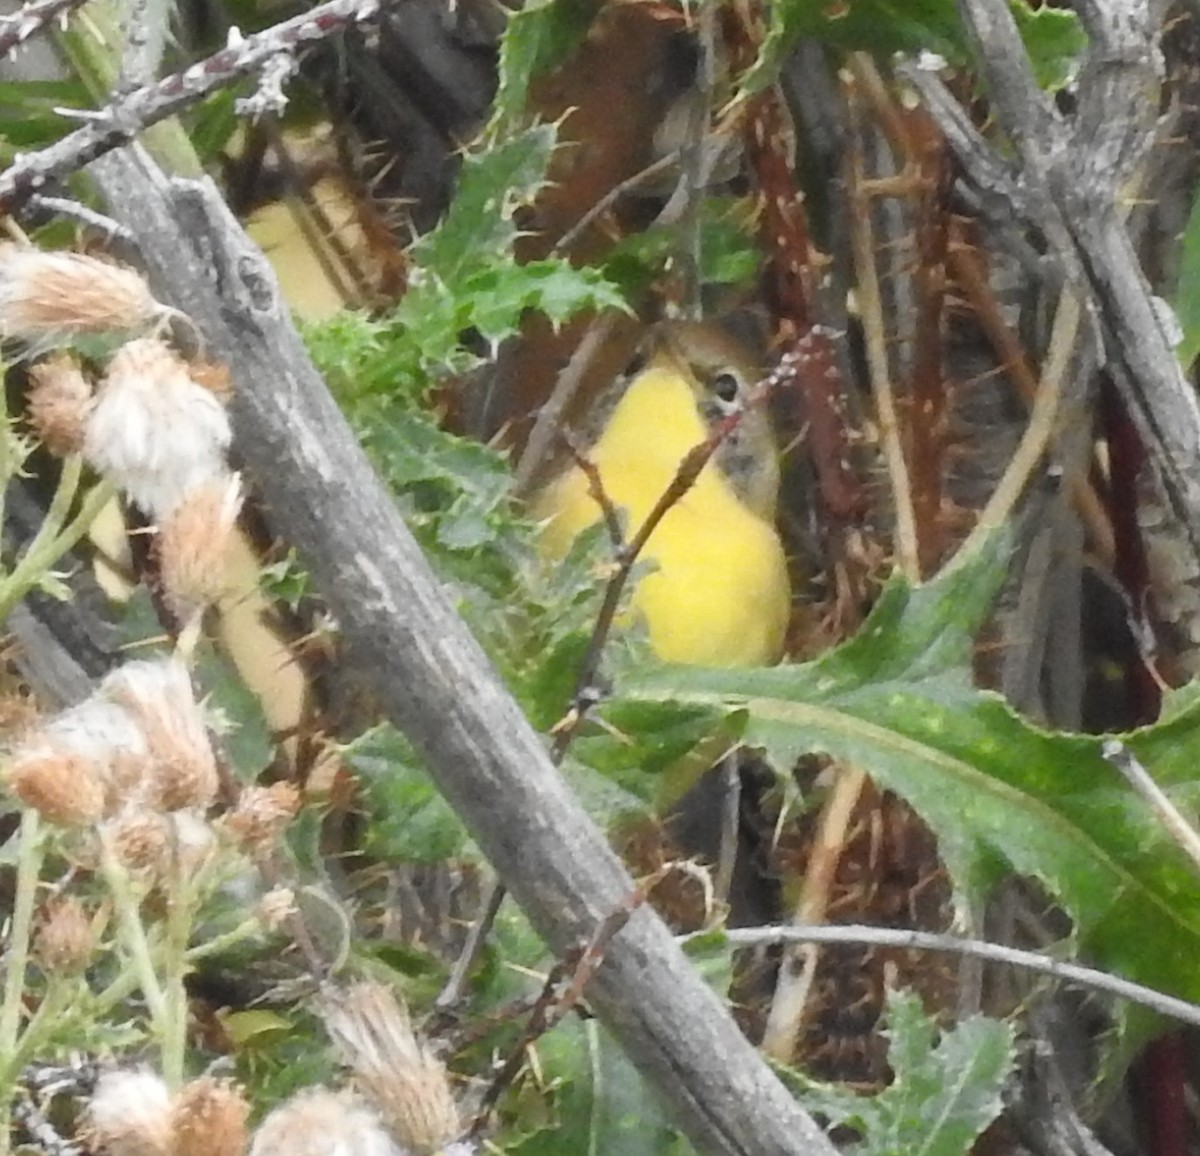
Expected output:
(718, 591)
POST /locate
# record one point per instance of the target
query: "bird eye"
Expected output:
(726, 386)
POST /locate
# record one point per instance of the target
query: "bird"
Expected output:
(717, 591)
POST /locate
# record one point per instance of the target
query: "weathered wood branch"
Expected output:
(320, 493)
(1069, 189)
(125, 116)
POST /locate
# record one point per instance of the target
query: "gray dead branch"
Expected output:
(1066, 186)
(436, 684)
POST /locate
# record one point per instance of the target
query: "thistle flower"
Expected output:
(403, 1081)
(79, 767)
(59, 784)
(64, 942)
(139, 740)
(60, 401)
(318, 1122)
(260, 818)
(130, 1115)
(153, 430)
(193, 541)
(208, 1118)
(157, 695)
(48, 297)
(159, 847)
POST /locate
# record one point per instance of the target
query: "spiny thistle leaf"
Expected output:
(536, 38)
(1053, 38)
(945, 1091)
(465, 282)
(1000, 793)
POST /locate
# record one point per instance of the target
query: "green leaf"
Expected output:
(466, 289)
(1186, 302)
(479, 226)
(1000, 793)
(536, 38)
(408, 819)
(1053, 38)
(729, 253)
(30, 118)
(944, 1092)
(601, 1104)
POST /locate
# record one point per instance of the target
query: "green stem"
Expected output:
(29, 868)
(58, 998)
(180, 908)
(220, 943)
(133, 936)
(56, 536)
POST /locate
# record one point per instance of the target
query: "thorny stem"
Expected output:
(30, 19)
(16, 958)
(137, 947)
(127, 981)
(180, 910)
(122, 119)
(1039, 433)
(58, 998)
(907, 543)
(551, 415)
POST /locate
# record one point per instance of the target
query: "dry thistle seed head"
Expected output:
(81, 765)
(193, 543)
(64, 943)
(261, 817)
(318, 1122)
(60, 402)
(158, 848)
(153, 430)
(46, 297)
(157, 695)
(276, 908)
(19, 718)
(208, 1118)
(403, 1081)
(129, 1115)
(62, 785)
(141, 842)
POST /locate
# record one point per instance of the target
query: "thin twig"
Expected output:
(577, 967)
(43, 209)
(692, 176)
(606, 202)
(551, 415)
(30, 19)
(122, 119)
(456, 985)
(860, 934)
(731, 814)
(685, 477)
(799, 967)
(596, 491)
(1011, 354)
(1038, 435)
(871, 308)
(1184, 834)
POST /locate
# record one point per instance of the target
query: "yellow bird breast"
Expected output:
(718, 594)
